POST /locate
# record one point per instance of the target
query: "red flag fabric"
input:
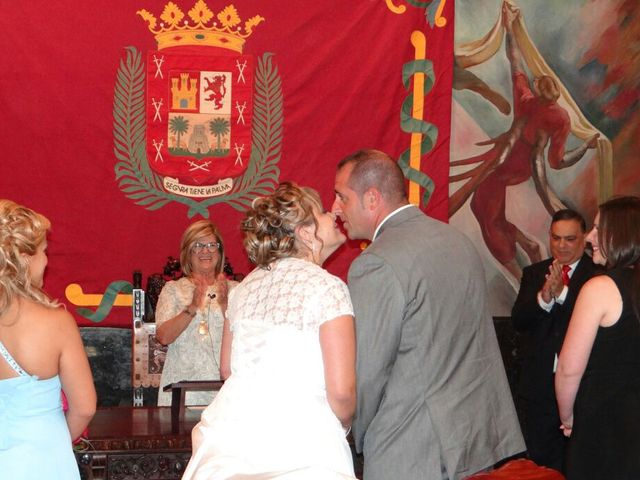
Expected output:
(122, 158)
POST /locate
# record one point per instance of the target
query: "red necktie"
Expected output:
(565, 274)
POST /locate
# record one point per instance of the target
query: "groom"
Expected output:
(433, 399)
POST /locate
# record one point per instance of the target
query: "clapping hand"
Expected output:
(553, 282)
(200, 291)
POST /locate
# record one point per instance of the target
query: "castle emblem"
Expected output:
(199, 112)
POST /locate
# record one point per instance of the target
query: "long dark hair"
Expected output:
(619, 239)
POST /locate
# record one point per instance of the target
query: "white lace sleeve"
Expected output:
(335, 301)
(231, 285)
(231, 304)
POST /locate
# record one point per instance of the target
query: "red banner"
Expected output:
(124, 121)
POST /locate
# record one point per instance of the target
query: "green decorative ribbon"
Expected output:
(420, 3)
(409, 124)
(108, 299)
(430, 9)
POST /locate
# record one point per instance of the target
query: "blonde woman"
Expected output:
(285, 410)
(40, 353)
(190, 313)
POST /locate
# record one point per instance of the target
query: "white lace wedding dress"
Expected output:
(271, 419)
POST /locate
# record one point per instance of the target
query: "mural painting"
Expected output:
(538, 125)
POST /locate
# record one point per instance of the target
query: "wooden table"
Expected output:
(137, 443)
(179, 390)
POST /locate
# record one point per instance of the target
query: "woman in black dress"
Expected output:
(598, 375)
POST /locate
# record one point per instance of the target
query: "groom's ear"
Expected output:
(372, 199)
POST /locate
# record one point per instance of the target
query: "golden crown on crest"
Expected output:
(224, 29)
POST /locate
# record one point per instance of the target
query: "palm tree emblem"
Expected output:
(178, 125)
(219, 127)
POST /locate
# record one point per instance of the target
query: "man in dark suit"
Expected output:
(542, 310)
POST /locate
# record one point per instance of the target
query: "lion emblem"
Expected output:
(216, 86)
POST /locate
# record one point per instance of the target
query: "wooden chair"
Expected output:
(148, 355)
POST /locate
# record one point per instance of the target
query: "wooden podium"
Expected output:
(151, 443)
(179, 390)
(133, 443)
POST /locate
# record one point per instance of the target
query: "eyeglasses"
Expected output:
(199, 246)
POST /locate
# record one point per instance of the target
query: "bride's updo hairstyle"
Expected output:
(270, 224)
(21, 232)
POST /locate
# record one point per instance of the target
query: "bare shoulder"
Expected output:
(53, 321)
(599, 291)
(41, 335)
(599, 285)
(600, 300)
(65, 324)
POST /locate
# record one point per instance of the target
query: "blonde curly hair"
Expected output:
(22, 231)
(270, 224)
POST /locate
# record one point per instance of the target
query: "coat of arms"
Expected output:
(200, 122)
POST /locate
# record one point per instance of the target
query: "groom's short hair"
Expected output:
(373, 168)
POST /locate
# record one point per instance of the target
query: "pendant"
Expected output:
(203, 328)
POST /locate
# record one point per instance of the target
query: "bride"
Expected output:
(286, 408)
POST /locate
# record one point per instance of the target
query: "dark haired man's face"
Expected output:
(567, 241)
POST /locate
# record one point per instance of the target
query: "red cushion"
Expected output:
(520, 469)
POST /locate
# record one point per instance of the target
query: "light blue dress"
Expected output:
(34, 437)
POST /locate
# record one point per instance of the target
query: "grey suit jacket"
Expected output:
(433, 398)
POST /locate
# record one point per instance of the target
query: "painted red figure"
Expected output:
(538, 121)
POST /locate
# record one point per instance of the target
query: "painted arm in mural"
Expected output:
(549, 198)
(572, 156)
(466, 80)
(510, 14)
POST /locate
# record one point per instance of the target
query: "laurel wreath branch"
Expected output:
(142, 185)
